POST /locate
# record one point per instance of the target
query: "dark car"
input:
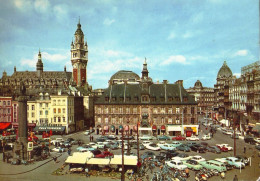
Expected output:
(243, 159)
(213, 149)
(171, 153)
(128, 138)
(147, 155)
(183, 147)
(101, 139)
(191, 144)
(96, 152)
(250, 140)
(141, 146)
(198, 148)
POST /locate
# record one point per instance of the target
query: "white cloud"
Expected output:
(241, 53)
(175, 59)
(171, 36)
(108, 21)
(41, 5)
(23, 5)
(61, 12)
(237, 75)
(29, 63)
(54, 57)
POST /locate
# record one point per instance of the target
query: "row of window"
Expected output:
(5, 103)
(121, 120)
(128, 110)
(5, 111)
(5, 118)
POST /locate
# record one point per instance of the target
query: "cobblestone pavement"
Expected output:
(10, 172)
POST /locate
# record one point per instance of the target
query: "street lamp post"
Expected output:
(123, 168)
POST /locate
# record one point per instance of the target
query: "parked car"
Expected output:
(96, 152)
(101, 139)
(213, 149)
(226, 146)
(235, 162)
(177, 164)
(161, 143)
(198, 148)
(57, 140)
(176, 143)
(147, 155)
(146, 142)
(141, 146)
(85, 148)
(244, 159)
(192, 138)
(214, 165)
(152, 146)
(169, 154)
(167, 147)
(179, 138)
(58, 149)
(182, 156)
(128, 138)
(198, 158)
(223, 160)
(183, 147)
(163, 137)
(206, 137)
(112, 137)
(114, 146)
(189, 144)
(192, 164)
(104, 154)
(250, 140)
(146, 137)
(236, 136)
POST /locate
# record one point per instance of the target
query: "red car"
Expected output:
(34, 138)
(224, 149)
(179, 138)
(104, 154)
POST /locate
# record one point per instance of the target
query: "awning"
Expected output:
(98, 161)
(120, 127)
(106, 128)
(48, 128)
(162, 127)
(4, 125)
(144, 128)
(174, 128)
(126, 128)
(154, 127)
(135, 128)
(127, 161)
(79, 158)
(112, 128)
(15, 125)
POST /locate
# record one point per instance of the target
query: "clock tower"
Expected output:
(79, 57)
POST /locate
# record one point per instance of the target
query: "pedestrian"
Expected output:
(235, 178)
(244, 149)
(55, 159)
(187, 172)
(69, 151)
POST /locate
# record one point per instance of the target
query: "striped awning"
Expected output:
(154, 127)
(162, 127)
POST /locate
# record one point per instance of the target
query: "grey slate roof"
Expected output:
(158, 93)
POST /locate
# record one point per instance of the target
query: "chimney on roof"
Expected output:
(14, 68)
(180, 82)
(65, 69)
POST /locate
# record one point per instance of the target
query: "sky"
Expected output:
(181, 39)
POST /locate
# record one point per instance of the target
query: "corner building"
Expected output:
(153, 108)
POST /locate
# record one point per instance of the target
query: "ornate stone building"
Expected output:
(204, 97)
(158, 108)
(221, 91)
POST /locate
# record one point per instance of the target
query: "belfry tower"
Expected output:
(79, 57)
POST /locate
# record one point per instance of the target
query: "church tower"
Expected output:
(39, 65)
(79, 57)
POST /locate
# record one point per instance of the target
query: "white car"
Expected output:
(192, 138)
(235, 162)
(206, 137)
(182, 156)
(167, 146)
(198, 158)
(147, 142)
(58, 149)
(177, 164)
(226, 146)
(152, 146)
(146, 137)
(99, 145)
(161, 143)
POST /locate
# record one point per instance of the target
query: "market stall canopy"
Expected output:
(98, 161)
(79, 158)
(127, 161)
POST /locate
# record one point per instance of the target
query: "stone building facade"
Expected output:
(157, 108)
(204, 96)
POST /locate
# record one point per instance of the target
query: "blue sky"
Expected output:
(181, 39)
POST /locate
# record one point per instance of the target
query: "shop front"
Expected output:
(31, 126)
(191, 130)
(174, 130)
(154, 129)
(53, 129)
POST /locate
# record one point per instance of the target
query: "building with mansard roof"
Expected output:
(204, 96)
(157, 108)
